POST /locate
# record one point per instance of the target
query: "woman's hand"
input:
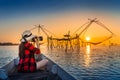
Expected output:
(37, 43)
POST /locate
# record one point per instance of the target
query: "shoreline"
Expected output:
(8, 44)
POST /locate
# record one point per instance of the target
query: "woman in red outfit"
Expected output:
(27, 62)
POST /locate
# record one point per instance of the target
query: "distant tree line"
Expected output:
(8, 43)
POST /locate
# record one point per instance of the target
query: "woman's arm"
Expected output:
(32, 48)
(37, 43)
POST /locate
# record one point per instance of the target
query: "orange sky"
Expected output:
(58, 23)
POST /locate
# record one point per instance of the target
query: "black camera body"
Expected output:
(40, 38)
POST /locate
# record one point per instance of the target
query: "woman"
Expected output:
(27, 62)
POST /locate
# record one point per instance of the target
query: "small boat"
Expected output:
(53, 72)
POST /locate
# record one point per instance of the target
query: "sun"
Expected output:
(87, 38)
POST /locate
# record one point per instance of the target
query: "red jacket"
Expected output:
(27, 63)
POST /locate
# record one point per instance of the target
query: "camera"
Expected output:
(40, 38)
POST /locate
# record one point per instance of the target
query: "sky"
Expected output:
(58, 16)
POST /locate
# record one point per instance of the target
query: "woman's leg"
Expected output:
(41, 64)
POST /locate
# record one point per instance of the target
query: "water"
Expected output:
(91, 63)
(96, 63)
(7, 54)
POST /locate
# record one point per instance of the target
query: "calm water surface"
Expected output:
(90, 63)
(7, 54)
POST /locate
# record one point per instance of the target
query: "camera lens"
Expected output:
(33, 39)
(40, 38)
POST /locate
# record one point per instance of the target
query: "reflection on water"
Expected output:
(7, 54)
(91, 63)
(87, 56)
(87, 49)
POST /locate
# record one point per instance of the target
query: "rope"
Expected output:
(99, 23)
(85, 28)
(49, 31)
(80, 28)
(101, 41)
(33, 28)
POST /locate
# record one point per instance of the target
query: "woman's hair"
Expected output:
(21, 50)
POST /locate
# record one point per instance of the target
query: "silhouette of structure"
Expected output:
(71, 42)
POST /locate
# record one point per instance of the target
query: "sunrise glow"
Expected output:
(88, 38)
(16, 17)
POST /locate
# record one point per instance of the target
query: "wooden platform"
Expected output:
(39, 75)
